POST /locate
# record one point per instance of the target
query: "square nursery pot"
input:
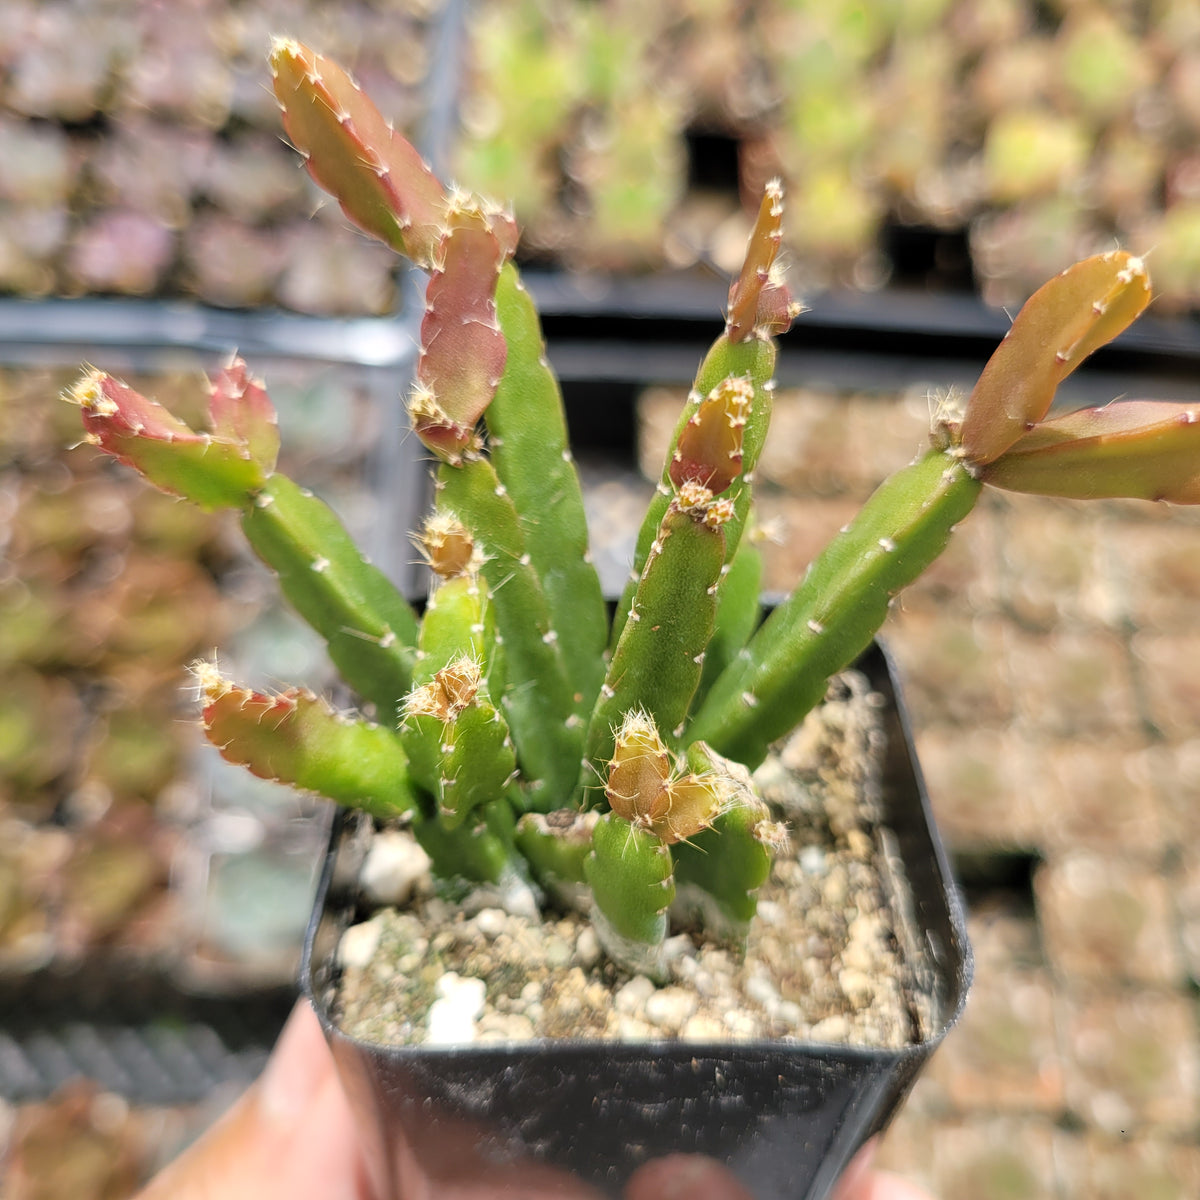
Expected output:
(578, 1118)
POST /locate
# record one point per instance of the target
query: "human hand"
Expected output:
(292, 1137)
(696, 1177)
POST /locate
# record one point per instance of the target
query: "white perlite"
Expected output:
(452, 1015)
(395, 868)
(821, 963)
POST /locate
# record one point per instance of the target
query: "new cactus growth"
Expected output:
(521, 733)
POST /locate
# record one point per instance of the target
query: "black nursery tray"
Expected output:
(562, 1118)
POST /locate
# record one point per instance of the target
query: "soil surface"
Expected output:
(825, 960)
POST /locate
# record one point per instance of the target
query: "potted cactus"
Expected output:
(535, 745)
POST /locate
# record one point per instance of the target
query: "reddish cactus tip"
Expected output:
(378, 178)
(709, 450)
(463, 350)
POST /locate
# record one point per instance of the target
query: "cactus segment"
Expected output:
(479, 764)
(1079, 310)
(738, 614)
(462, 348)
(528, 446)
(240, 409)
(832, 615)
(296, 738)
(210, 469)
(458, 623)
(753, 361)
(456, 740)
(556, 844)
(710, 448)
(478, 851)
(376, 176)
(729, 861)
(631, 876)
(657, 663)
(1143, 449)
(371, 630)
(538, 698)
(759, 301)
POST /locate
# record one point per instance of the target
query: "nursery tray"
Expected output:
(560, 1118)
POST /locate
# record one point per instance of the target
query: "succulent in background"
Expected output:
(521, 733)
(1033, 153)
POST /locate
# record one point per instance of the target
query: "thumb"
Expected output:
(290, 1137)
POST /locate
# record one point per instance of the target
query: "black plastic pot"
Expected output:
(578, 1118)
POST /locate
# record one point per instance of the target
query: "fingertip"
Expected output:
(297, 1068)
(676, 1176)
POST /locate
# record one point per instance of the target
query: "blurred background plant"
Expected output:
(1014, 136)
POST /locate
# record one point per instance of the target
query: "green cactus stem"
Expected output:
(760, 306)
(657, 663)
(457, 624)
(369, 628)
(833, 614)
(296, 738)
(631, 875)
(457, 741)
(842, 601)
(478, 851)
(738, 613)
(538, 698)
(719, 869)
(556, 845)
(527, 436)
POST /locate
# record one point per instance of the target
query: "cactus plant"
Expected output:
(519, 731)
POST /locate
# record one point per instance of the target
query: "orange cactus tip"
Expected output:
(447, 546)
(1063, 322)
(240, 409)
(691, 804)
(449, 692)
(759, 301)
(452, 441)
(639, 767)
(1137, 449)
